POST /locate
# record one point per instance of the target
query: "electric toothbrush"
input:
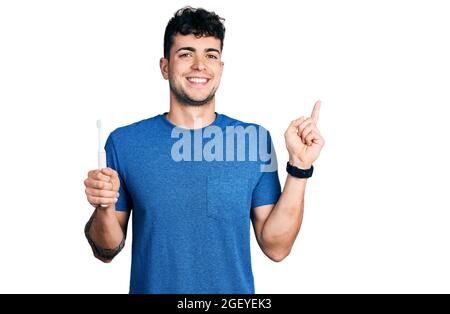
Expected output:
(101, 150)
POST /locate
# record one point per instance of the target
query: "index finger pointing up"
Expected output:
(315, 112)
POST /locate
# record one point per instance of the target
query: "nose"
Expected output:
(198, 64)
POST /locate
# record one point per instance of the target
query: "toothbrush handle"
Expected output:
(101, 160)
(101, 165)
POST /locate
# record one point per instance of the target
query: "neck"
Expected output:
(191, 117)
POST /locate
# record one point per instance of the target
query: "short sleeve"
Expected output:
(268, 189)
(124, 203)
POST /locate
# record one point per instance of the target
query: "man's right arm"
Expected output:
(106, 232)
(107, 228)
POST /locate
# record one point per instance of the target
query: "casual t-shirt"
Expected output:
(191, 197)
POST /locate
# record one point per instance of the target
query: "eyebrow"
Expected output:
(194, 50)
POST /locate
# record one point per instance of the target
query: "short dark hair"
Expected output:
(198, 22)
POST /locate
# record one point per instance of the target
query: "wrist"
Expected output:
(109, 211)
(298, 163)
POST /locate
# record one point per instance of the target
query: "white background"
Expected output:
(377, 208)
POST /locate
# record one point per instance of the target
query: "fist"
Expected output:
(102, 188)
(303, 140)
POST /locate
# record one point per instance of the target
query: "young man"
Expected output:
(195, 178)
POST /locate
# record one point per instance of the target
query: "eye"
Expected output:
(184, 55)
(212, 56)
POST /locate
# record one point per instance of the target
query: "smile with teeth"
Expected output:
(198, 80)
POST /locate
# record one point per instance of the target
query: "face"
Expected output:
(194, 69)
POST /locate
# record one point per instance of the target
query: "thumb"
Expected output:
(114, 177)
(109, 172)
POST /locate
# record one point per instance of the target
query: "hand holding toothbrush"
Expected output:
(102, 185)
(102, 188)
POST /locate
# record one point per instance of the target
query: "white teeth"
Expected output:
(197, 80)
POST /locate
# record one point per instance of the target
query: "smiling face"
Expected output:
(194, 69)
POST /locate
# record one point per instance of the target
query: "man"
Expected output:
(193, 194)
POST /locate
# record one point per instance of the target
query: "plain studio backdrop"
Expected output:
(377, 208)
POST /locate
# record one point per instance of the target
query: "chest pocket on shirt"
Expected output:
(228, 197)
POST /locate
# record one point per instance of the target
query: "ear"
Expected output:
(221, 66)
(164, 66)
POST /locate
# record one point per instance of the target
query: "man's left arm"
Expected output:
(277, 225)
